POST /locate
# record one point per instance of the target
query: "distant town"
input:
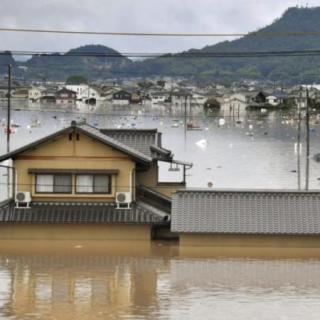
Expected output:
(235, 98)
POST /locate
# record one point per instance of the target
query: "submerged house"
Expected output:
(121, 97)
(247, 218)
(65, 96)
(84, 183)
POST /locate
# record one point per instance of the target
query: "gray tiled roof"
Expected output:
(247, 212)
(117, 143)
(146, 141)
(140, 140)
(140, 213)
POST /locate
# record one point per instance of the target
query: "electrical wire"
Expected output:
(163, 34)
(187, 54)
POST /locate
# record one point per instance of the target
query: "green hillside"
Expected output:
(59, 67)
(291, 69)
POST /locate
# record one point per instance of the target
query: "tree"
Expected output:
(161, 83)
(145, 84)
(211, 104)
(76, 79)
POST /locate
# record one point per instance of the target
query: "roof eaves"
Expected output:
(257, 191)
(34, 144)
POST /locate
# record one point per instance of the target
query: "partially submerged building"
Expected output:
(247, 218)
(84, 183)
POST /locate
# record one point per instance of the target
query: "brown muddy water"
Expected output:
(92, 280)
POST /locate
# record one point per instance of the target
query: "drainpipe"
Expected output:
(130, 184)
(14, 179)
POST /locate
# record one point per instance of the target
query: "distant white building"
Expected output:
(35, 93)
(82, 90)
(198, 98)
(85, 92)
(275, 98)
(235, 104)
(179, 98)
(158, 97)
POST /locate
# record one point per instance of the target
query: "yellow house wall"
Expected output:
(241, 241)
(150, 179)
(62, 153)
(75, 232)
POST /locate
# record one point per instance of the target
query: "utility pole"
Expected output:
(9, 125)
(9, 109)
(185, 117)
(299, 139)
(307, 141)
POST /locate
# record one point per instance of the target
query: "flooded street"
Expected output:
(68, 280)
(253, 150)
(108, 280)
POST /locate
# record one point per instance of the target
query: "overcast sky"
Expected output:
(195, 16)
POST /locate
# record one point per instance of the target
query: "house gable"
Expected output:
(88, 131)
(73, 144)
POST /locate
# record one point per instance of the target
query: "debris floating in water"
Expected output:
(296, 147)
(203, 143)
(222, 122)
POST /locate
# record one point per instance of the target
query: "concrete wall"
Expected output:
(85, 153)
(75, 232)
(150, 179)
(241, 241)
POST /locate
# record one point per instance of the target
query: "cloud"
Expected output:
(201, 16)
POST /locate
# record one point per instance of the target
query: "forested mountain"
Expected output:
(289, 69)
(99, 63)
(6, 59)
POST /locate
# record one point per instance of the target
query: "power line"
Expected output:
(163, 34)
(188, 54)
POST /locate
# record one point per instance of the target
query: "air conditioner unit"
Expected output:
(23, 199)
(123, 200)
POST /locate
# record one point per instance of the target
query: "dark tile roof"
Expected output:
(154, 198)
(118, 144)
(146, 141)
(246, 212)
(140, 213)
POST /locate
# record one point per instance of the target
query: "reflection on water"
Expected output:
(112, 281)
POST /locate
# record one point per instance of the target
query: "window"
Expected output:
(53, 183)
(88, 183)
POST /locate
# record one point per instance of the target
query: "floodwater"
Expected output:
(76, 280)
(252, 150)
(65, 280)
